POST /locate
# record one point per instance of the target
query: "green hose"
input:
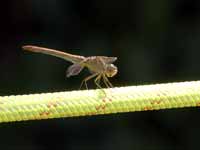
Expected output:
(100, 101)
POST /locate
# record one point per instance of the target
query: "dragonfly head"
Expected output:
(111, 70)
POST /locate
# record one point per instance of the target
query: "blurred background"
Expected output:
(155, 42)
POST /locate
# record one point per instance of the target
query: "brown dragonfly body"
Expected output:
(99, 66)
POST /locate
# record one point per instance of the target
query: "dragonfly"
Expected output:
(100, 67)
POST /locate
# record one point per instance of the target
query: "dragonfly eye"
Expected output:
(111, 70)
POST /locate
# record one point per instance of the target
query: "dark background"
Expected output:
(156, 41)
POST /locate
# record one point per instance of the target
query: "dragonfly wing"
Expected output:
(73, 70)
(108, 60)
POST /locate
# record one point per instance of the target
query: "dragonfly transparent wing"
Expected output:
(108, 60)
(73, 70)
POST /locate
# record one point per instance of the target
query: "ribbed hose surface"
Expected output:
(94, 102)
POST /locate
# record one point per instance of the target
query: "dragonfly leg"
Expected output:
(86, 79)
(107, 82)
(104, 81)
(97, 81)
